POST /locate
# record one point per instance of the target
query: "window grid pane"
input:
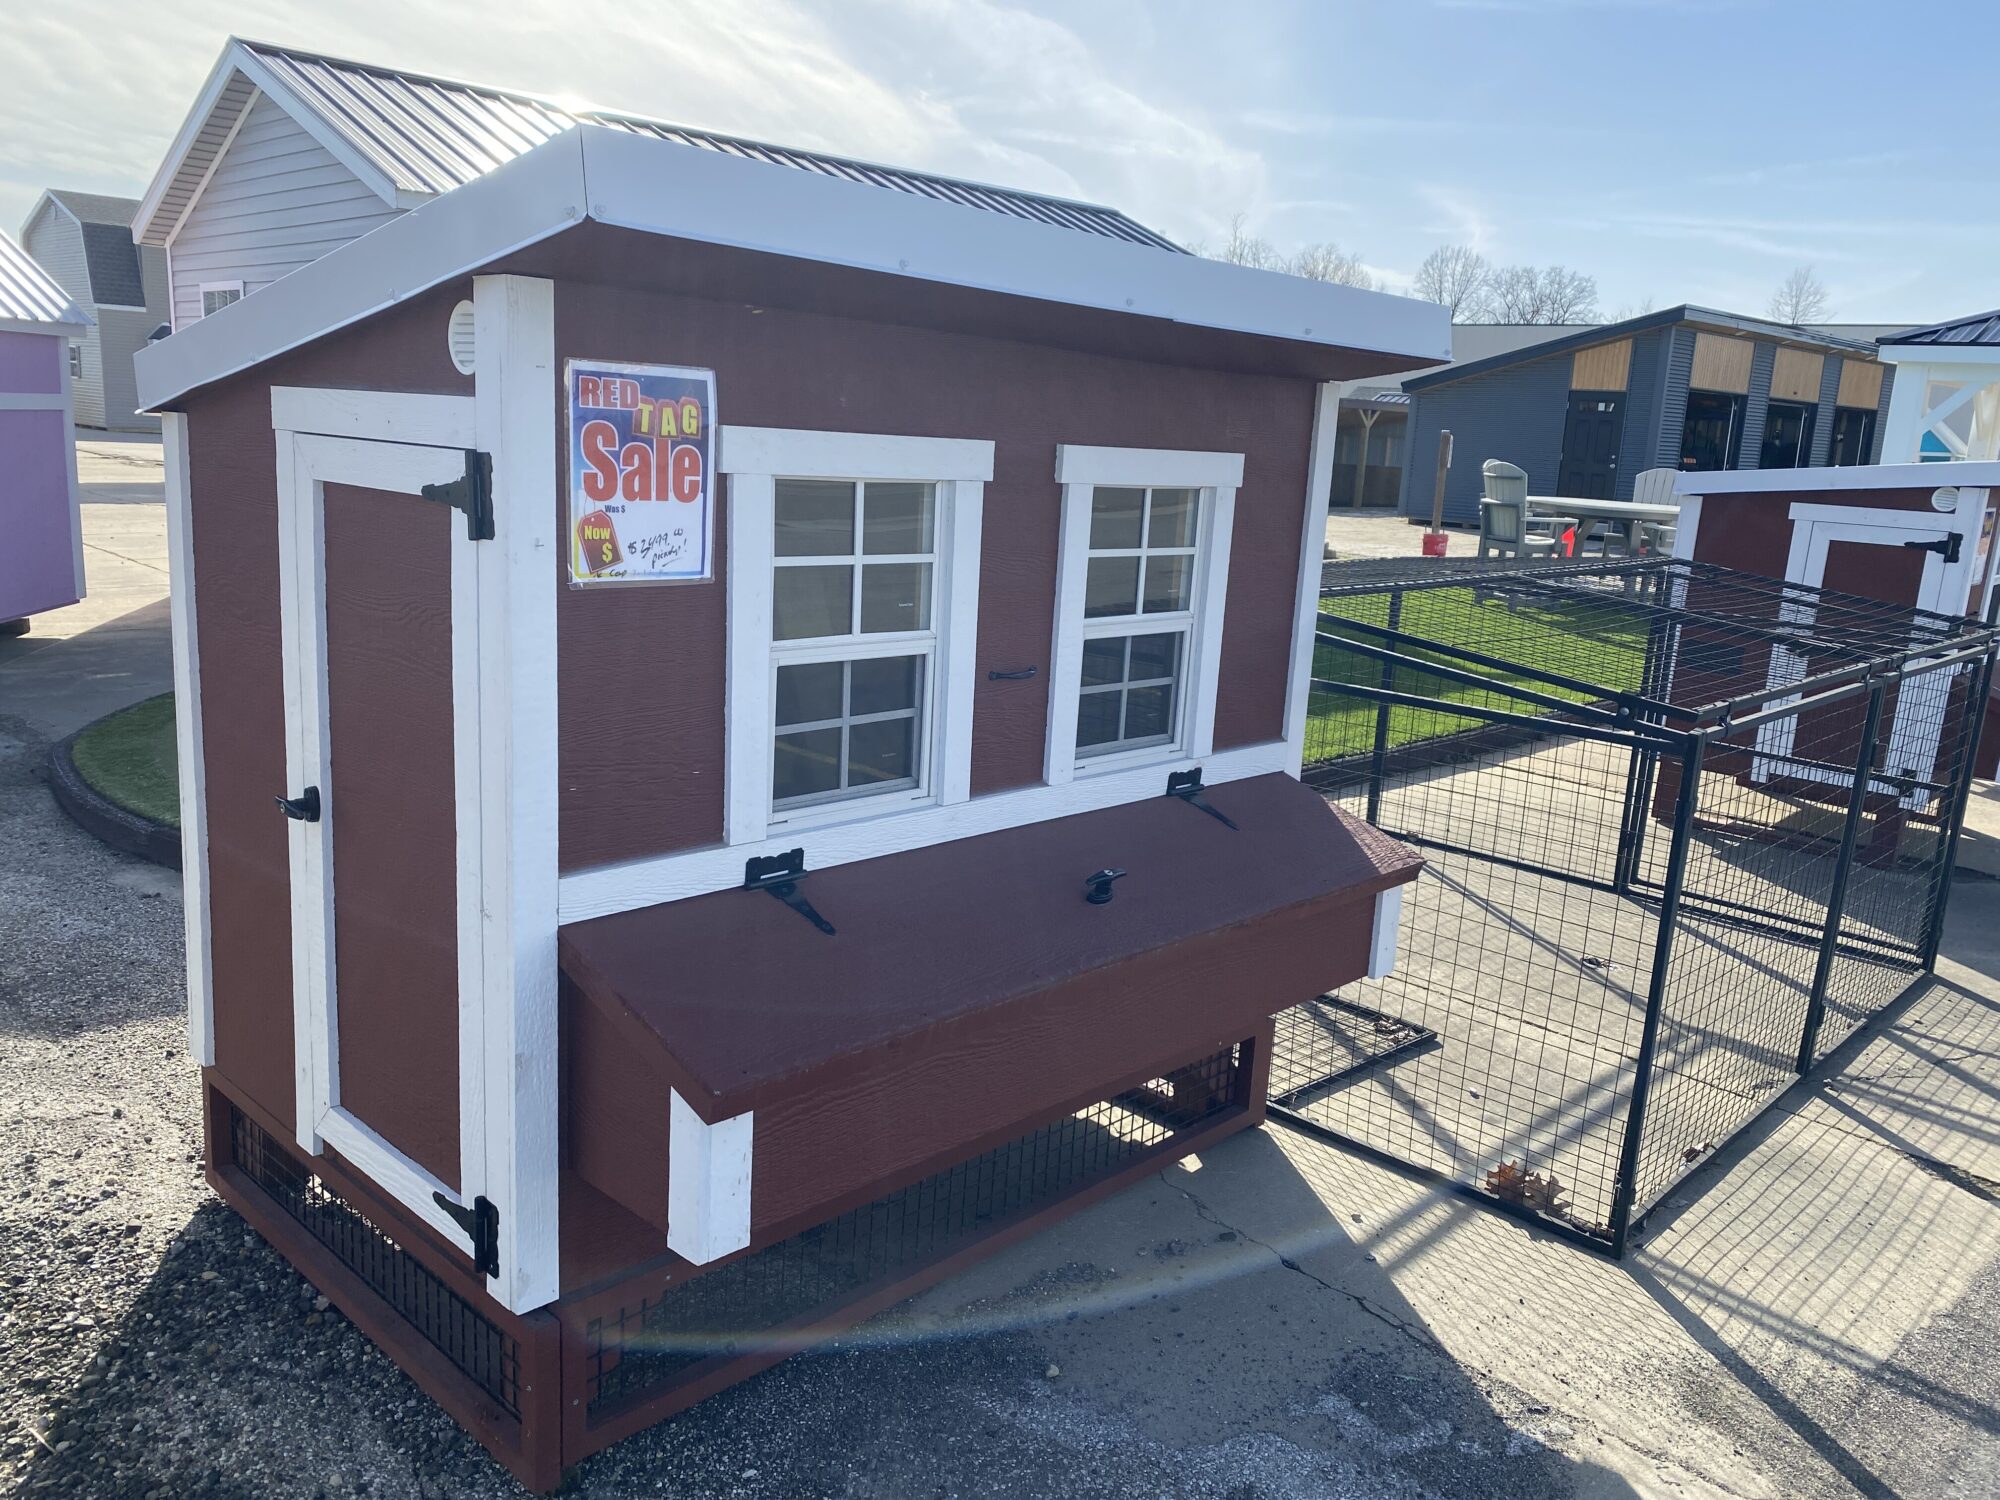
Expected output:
(1130, 698)
(1141, 552)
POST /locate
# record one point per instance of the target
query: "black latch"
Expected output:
(780, 874)
(1097, 888)
(303, 808)
(481, 1224)
(471, 493)
(1945, 546)
(1186, 785)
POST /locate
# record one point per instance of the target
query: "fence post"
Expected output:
(1379, 763)
(1639, 775)
(1625, 1189)
(1975, 708)
(1843, 866)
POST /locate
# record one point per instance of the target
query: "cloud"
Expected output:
(92, 92)
(1464, 221)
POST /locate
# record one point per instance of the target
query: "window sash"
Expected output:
(923, 744)
(1182, 629)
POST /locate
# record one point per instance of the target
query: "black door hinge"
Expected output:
(303, 808)
(780, 874)
(471, 493)
(481, 1224)
(1186, 785)
(1945, 546)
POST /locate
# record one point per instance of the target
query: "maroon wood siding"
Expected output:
(1754, 532)
(642, 770)
(232, 482)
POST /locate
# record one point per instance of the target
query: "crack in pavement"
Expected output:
(1422, 1337)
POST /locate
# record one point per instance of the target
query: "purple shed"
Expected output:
(41, 565)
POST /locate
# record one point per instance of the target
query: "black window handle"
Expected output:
(1022, 675)
(1097, 888)
(303, 808)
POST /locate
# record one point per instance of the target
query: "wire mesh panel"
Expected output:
(760, 1302)
(1687, 829)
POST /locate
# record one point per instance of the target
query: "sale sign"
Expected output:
(641, 473)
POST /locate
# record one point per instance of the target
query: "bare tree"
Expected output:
(1328, 262)
(1637, 309)
(1542, 294)
(1456, 276)
(1800, 298)
(1243, 248)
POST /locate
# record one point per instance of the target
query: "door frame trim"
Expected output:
(1814, 528)
(306, 463)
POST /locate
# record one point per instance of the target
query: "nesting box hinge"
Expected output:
(481, 1223)
(471, 493)
(1186, 785)
(780, 874)
(1945, 546)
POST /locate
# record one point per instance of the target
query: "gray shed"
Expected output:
(84, 242)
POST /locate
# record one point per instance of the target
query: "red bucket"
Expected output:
(1434, 543)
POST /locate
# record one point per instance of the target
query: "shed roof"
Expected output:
(1687, 312)
(1980, 328)
(30, 297)
(110, 257)
(412, 136)
(1186, 306)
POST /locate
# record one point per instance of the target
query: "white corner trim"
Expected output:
(1687, 530)
(68, 397)
(516, 414)
(187, 739)
(1382, 938)
(1846, 477)
(958, 652)
(708, 1183)
(608, 889)
(809, 453)
(1148, 467)
(384, 416)
(1312, 552)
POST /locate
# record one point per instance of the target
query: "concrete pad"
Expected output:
(115, 647)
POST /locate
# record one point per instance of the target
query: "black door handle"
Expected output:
(1097, 888)
(303, 808)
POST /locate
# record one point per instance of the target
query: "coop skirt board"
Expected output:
(546, 1390)
(1325, 1042)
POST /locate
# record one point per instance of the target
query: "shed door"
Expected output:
(1590, 445)
(381, 705)
(1899, 557)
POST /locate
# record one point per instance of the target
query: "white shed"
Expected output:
(1945, 404)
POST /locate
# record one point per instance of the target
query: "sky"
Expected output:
(1676, 150)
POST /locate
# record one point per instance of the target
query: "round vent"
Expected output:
(460, 335)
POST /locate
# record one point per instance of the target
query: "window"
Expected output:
(1139, 578)
(1139, 595)
(853, 642)
(853, 576)
(1853, 436)
(76, 361)
(216, 295)
(1713, 432)
(1788, 435)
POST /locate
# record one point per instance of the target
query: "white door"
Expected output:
(381, 651)
(1919, 559)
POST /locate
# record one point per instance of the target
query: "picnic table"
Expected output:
(1627, 516)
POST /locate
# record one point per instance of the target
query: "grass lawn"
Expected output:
(130, 759)
(1595, 642)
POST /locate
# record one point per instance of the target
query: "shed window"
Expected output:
(1788, 436)
(853, 566)
(1713, 433)
(76, 361)
(1853, 436)
(853, 637)
(216, 295)
(1139, 596)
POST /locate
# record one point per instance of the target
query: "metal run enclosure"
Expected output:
(1687, 830)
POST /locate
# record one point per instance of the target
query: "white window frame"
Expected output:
(76, 361)
(204, 288)
(754, 459)
(1080, 470)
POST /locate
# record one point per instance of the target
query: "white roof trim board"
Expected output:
(30, 299)
(658, 186)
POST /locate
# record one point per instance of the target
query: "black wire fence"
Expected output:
(1687, 829)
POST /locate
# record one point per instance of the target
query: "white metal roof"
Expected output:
(411, 136)
(30, 297)
(659, 186)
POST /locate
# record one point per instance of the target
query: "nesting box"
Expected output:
(743, 735)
